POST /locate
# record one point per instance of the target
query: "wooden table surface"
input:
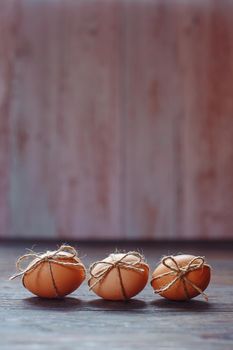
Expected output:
(83, 321)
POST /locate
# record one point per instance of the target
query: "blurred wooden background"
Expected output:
(116, 119)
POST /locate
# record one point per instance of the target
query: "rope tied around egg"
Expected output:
(118, 264)
(180, 273)
(50, 257)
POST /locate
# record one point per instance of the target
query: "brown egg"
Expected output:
(184, 277)
(120, 276)
(53, 274)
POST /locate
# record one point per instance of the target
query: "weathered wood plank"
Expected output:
(90, 121)
(206, 130)
(8, 22)
(152, 111)
(33, 122)
(66, 120)
(116, 119)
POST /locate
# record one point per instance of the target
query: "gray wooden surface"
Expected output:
(83, 321)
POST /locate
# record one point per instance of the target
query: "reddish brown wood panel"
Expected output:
(206, 132)
(8, 20)
(116, 119)
(89, 122)
(153, 108)
(179, 163)
(66, 121)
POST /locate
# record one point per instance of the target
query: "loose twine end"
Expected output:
(180, 273)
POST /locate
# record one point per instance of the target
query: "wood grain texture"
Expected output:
(116, 119)
(33, 123)
(206, 131)
(66, 120)
(153, 108)
(84, 321)
(89, 121)
(8, 20)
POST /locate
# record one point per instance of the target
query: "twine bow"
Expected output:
(64, 252)
(180, 273)
(119, 264)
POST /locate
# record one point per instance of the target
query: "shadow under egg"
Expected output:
(108, 305)
(176, 306)
(58, 304)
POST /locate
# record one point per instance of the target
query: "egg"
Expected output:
(181, 277)
(53, 274)
(120, 276)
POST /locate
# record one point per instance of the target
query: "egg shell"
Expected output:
(67, 279)
(200, 278)
(110, 287)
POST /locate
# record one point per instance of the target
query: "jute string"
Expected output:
(50, 257)
(180, 273)
(119, 264)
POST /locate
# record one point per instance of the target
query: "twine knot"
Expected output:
(65, 252)
(180, 273)
(107, 267)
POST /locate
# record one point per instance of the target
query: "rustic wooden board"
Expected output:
(206, 132)
(147, 321)
(90, 121)
(116, 119)
(33, 123)
(8, 20)
(153, 110)
(65, 121)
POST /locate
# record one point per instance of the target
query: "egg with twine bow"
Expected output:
(53, 274)
(119, 277)
(181, 277)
